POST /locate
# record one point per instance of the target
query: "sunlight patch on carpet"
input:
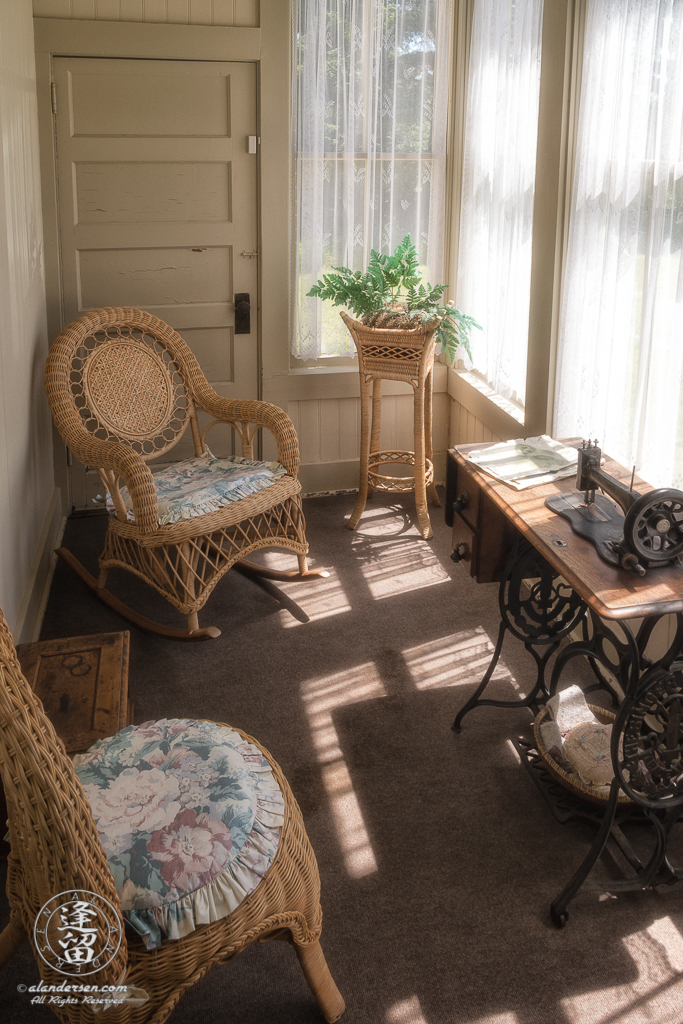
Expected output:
(497, 1018)
(320, 597)
(398, 565)
(321, 697)
(407, 1012)
(383, 521)
(460, 659)
(657, 993)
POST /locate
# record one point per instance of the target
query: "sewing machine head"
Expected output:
(645, 532)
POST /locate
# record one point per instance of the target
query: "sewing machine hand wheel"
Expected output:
(653, 527)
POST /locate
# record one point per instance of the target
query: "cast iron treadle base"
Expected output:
(563, 804)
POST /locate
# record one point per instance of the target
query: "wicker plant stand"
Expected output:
(395, 355)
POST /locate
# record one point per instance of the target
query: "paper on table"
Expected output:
(527, 462)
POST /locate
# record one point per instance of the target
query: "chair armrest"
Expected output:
(230, 410)
(137, 475)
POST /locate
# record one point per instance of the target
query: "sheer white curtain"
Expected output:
(369, 139)
(619, 375)
(494, 261)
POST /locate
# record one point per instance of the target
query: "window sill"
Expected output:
(316, 371)
(502, 417)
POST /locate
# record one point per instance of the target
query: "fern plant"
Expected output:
(391, 294)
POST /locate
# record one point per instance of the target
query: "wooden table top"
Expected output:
(611, 592)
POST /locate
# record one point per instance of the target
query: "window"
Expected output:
(620, 364)
(369, 135)
(499, 169)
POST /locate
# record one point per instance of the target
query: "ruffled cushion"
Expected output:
(204, 484)
(189, 815)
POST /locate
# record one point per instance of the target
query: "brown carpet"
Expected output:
(437, 855)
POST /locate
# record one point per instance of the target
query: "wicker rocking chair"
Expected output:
(123, 387)
(56, 851)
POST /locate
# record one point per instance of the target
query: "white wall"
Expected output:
(29, 507)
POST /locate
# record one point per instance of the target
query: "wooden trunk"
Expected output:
(83, 685)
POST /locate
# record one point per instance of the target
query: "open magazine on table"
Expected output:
(526, 462)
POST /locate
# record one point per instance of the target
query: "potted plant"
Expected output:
(390, 294)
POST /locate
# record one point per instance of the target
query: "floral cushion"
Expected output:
(189, 815)
(204, 484)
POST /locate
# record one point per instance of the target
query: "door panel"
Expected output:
(157, 202)
(107, 101)
(122, 193)
(151, 278)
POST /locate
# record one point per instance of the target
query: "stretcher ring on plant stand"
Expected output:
(398, 484)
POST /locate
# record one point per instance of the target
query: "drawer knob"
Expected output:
(459, 553)
(461, 502)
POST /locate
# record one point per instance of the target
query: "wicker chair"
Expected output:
(56, 849)
(123, 387)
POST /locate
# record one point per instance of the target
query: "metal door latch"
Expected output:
(242, 313)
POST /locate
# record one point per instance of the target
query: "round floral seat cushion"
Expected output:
(189, 815)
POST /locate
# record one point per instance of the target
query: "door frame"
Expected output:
(70, 38)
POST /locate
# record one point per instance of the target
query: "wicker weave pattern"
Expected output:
(396, 484)
(55, 847)
(54, 842)
(122, 387)
(127, 387)
(391, 354)
(185, 572)
(130, 389)
(572, 782)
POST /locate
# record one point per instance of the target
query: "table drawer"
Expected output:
(465, 542)
(468, 499)
(465, 493)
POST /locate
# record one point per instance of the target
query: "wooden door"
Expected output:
(157, 194)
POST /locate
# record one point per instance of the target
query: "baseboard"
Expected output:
(32, 607)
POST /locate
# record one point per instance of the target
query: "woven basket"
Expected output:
(572, 782)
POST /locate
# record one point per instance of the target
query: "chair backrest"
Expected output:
(55, 847)
(121, 374)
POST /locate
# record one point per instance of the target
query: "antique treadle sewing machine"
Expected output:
(557, 597)
(648, 531)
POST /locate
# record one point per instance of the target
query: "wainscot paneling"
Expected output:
(465, 428)
(30, 507)
(329, 437)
